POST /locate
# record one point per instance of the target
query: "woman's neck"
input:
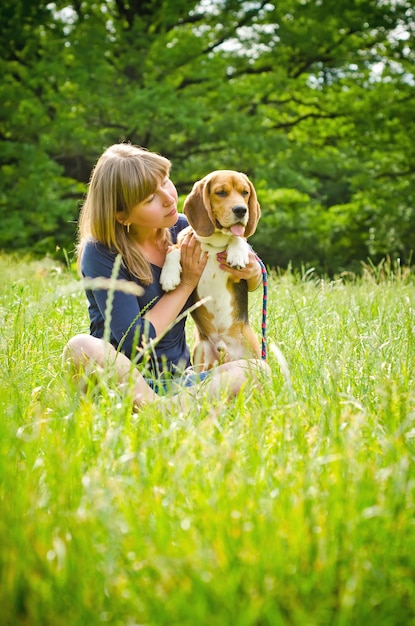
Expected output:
(145, 238)
(150, 246)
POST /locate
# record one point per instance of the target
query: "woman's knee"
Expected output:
(252, 372)
(261, 366)
(83, 348)
(75, 349)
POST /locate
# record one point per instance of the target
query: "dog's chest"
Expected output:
(213, 285)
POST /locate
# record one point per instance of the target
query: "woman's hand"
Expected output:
(252, 272)
(192, 259)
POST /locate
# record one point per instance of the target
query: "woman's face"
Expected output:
(158, 210)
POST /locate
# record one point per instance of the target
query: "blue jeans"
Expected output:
(173, 384)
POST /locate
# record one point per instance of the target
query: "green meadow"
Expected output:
(293, 505)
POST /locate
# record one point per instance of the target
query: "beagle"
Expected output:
(223, 211)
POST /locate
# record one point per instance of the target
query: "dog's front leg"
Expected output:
(238, 252)
(170, 274)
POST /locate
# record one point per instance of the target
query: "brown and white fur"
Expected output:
(223, 211)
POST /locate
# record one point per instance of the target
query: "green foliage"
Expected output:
(311, 97)
(291, 222)
(33, 207)
(290, 506)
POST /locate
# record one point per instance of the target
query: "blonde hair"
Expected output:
(123, 176)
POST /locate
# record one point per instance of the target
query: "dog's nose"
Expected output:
(239, 211)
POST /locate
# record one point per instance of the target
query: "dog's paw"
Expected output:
(170, 281)
(238, 254)
(170, 274)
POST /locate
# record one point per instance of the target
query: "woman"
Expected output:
(126, 225)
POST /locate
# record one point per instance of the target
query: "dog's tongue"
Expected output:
(237, 230)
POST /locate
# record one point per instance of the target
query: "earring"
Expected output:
(128, 228)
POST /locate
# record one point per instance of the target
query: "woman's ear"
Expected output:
(121, 217)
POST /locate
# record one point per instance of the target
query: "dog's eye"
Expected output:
(222, 193)
(245, 193)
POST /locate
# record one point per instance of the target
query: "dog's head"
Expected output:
(224, 201)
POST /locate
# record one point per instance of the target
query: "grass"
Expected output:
(290, 506)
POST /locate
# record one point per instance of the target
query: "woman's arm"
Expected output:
(128, 323)
(125, 319)
(166, 310)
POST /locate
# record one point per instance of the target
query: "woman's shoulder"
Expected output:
(94, 248)
(94, 255)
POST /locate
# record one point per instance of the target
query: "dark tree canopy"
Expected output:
(312, 99)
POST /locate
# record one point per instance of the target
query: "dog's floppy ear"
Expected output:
(197, 209)
(254, 210)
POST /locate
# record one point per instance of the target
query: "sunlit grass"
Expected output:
(292, 506)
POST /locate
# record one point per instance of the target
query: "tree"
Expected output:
(314, 98)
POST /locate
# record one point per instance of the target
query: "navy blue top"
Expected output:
(127, 327)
